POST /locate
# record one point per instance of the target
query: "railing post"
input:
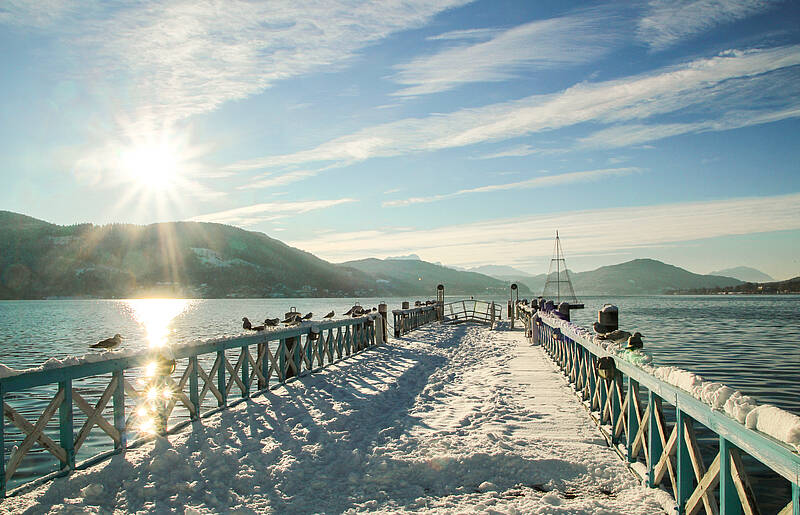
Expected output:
(245, 371)
(223, 390)
(729, 503)
(2, 444)
(684, 472)
(194, 387)
(263, 348)
(633, 416)
(65, 424)
(654, 447)
(119, 409)
(615, 405)
(383, 311)
(796, 497)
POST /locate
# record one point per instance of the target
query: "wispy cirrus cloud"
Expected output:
(539, 45)
(536, 182)
(589, 232)
(268, 211)
(172, 60)
(668, 22)
(752, 86)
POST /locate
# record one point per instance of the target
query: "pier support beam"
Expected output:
(729, 503)
(65, 424)
(684, 472)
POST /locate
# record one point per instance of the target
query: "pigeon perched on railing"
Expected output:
(293, 318)
(352, 310)
(272, 322)
(329, 315)
(307, 316)
(249, 326)
(108, 343)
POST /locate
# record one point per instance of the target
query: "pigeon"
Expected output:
(271, 322)
(351, 310)
(108, 343)
(307, 316)
(291, 318)
(374, 309)
(329, 315)
(249, 326)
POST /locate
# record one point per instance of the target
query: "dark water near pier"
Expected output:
(751, 343)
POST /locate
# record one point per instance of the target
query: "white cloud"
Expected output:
(171, 60)
(536, 182)
(668, 22)
(754, 86)
(516, 151)
(626, 135)
(268, 211)
(538, 45)
(587, 232)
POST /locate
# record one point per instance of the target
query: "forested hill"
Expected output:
(192, 259)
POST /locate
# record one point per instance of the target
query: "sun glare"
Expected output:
(155, 315)
(152, 166)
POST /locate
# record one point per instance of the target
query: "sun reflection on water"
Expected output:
(156, 315)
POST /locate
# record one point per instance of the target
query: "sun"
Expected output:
(154, 166)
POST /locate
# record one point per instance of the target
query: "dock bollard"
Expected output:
(383, 311)
(608, 318)
(292, 350)
(563, 308)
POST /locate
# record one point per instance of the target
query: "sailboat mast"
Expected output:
(558, 269)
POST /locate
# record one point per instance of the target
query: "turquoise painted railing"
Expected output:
(471, 310)
(406, 320)
(176, 375)
(636, 426)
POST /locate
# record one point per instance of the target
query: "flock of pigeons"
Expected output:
(294, 318)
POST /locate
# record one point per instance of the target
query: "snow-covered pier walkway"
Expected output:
(448, 418)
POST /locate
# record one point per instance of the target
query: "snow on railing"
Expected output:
(612, 381)
(145, 388)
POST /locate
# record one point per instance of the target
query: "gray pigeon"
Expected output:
(108, 343)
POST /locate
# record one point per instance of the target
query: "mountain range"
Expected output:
(746, 274)
(193, 259)
(636, 277)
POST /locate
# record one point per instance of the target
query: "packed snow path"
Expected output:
(447, 419)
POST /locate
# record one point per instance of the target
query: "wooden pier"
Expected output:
(651, 425)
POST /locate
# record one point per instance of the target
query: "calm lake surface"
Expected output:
(751, 343)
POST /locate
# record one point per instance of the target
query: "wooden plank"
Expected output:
(696, 457)
(177, 390)
(34, 434)
(706, 483)
(739, 476)
(665, 461)
(208, 384)
(95, 416)
(638, 440)
(234, 375)
(262, 381)
(273, 365)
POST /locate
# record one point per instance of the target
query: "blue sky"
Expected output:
(464, 132)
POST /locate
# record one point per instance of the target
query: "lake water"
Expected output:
(751, 343)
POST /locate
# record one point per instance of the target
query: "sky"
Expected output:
(464, 132)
